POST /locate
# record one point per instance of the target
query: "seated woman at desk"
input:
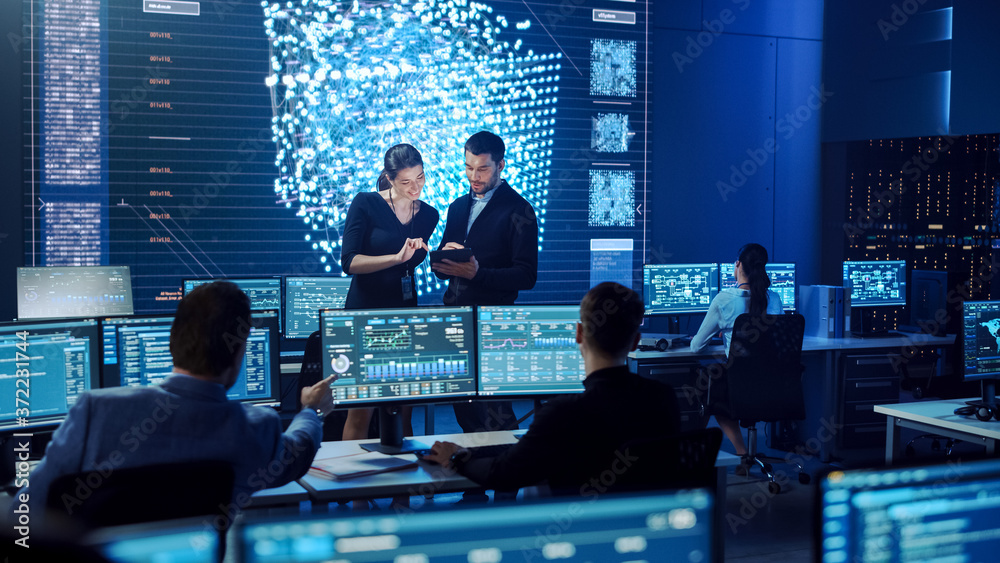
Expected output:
(750, 295)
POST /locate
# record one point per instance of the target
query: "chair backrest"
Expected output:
(682, 461)
(143, 494)
(764, 371)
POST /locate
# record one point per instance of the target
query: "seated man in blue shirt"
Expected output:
(187, 417)
(575, 439)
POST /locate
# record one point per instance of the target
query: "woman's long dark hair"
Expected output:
(753, 258)
(399, 157)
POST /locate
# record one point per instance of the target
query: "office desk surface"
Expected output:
(425, 479)
(941, 414)
(289, 493)
(815, 344)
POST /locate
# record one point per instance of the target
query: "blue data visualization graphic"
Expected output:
(348, 82)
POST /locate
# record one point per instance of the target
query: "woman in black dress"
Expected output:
(385, 238)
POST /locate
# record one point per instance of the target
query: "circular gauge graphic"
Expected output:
(341, 364)
(30, 296)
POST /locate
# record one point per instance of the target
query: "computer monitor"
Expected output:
(392, 357)
(873, 283)
(679, 288)
(943, 512)
(44, 367)
(876, 283)
(136, 352)
(529, 350)
(781, 274)
(981, 350)
(73, 292)
(659, 526)
(305, 297)
(264, 293)
(929, 307)
(189, 540)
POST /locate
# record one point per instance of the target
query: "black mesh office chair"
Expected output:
(764, 376)
(142, 494)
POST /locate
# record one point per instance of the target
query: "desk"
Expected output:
(936, 417)
(426, 478)
(289, 493)
(843, 380)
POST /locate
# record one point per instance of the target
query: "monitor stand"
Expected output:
(391, 441)
(986, 408)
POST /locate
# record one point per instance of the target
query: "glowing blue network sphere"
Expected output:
(351, 79)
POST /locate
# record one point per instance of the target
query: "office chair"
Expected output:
(683, 461)
(764, 377)
(142, 494)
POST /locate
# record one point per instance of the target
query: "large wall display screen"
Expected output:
(214, 139)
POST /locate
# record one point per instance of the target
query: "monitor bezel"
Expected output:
(18, 286)
(768, 268)
(713, 292)
(530, 394)
(236, 280)
(286, 298)
(966, 376)
(904, 295)
(409, 399)
(94, 379)
(273, 400)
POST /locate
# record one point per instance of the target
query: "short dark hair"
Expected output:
(611, 314)
(211, 324)
(486, 142)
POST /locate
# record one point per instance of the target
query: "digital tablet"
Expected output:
(454, 254)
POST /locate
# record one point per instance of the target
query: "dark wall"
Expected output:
(738, 95)
(11, 186)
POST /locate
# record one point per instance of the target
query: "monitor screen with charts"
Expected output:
(981, 339)
(943, 512)
(658, 526)
(679, 288)
(73, 292)
(305, 297)
(529, 350)
(44, 367)
(876, 283)
(383, 356)
(136, 352)
(264, 293)
(781, 274)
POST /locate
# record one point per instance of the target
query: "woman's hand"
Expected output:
(410, 248)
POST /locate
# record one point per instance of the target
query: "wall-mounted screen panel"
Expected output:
(221, 139)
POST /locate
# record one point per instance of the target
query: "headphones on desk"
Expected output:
(980, 411)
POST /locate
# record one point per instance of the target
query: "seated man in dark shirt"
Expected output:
(573, 440)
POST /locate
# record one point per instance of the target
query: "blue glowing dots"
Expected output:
(349, 80)
(612, 198)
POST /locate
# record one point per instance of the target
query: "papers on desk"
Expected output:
(358, 465)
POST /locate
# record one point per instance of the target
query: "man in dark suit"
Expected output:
(187, 417)
(501, 229)
(574, 441)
